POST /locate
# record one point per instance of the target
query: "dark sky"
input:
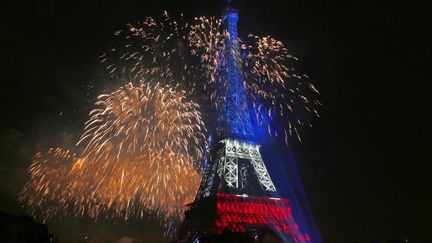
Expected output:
(364, 163)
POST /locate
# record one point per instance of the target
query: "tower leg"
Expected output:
(231, 171)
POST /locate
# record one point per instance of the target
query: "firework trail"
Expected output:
(140, 148)
(193, 55)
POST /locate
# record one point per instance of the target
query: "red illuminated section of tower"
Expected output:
(237, 213)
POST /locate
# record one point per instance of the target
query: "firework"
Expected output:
(147, 140)
(156, 48)
(193, 55)
(47, 187)
(140, 149)
(280, 95)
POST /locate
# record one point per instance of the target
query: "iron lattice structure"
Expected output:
(237, 198)
(237, 115)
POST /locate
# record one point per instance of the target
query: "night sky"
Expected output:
(364, 164)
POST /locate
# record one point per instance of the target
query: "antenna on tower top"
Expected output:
(229, 6)
(228, 10)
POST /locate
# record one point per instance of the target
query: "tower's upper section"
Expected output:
(231, 17)
(237, 122)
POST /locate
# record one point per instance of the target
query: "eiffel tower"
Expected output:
(237, 199)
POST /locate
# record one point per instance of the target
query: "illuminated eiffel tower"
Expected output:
(237, 199)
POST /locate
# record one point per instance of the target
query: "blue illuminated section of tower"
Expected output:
(238, 121)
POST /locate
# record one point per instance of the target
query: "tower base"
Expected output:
(240, 218)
